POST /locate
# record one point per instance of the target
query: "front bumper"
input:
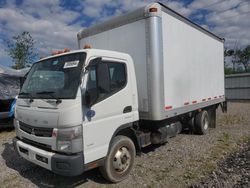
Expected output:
(66, 165)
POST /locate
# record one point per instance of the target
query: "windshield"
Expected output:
(55, 78)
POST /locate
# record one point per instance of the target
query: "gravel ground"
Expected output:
(186, 160)
(233, 172)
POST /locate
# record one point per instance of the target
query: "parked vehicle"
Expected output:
(150, 74)
(9, 87)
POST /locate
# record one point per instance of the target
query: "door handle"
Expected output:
(127, 109)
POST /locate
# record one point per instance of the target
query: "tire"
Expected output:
(120, 159)
(191, 125)
(202, 122)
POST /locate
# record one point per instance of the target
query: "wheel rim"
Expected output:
(122, 160)
(205, 123)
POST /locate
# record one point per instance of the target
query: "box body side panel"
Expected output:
(193, 65)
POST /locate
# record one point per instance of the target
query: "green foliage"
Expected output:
(228, 70)
(240, 57)
(21, 50)
(244, 57)
(225, 137)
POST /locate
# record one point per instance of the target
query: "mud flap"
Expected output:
(223, 106)
(212, 117)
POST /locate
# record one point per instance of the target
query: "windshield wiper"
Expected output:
(50, 93)
(24, 93)
(27, 94)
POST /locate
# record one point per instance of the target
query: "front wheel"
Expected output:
(120, 159)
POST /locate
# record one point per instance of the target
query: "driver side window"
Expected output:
(114, 80)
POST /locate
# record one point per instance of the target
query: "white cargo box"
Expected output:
(179, 65)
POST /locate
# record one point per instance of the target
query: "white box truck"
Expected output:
(149, 74)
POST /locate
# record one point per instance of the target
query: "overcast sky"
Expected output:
(54, 23)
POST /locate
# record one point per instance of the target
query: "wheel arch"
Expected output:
(128, 131)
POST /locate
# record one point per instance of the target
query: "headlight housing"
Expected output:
(69, 140)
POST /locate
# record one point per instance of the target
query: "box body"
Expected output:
(179, 65)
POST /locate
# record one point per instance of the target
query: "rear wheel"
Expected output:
(119, 160)
(202, 122)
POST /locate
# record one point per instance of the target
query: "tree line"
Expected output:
(240, 59)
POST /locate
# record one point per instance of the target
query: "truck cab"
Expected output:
(70, 107)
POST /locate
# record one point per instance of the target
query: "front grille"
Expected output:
(37, 131)
(36, 144)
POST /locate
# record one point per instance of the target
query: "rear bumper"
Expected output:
(66, 165)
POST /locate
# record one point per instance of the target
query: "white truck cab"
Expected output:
(71, 105)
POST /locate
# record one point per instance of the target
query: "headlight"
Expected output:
(69, 140)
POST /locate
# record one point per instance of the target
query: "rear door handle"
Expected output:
(127, 109)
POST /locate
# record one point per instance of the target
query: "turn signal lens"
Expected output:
(60, 51)
(87, 46)
(66, 50)
(153, 9)
(54, 52)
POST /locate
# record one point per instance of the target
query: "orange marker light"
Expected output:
(54, 52)
(153, 9)
(66, 50)
(87, 46)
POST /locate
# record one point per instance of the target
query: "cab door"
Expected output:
(108, 104)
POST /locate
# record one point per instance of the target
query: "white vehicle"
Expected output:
(150, 74)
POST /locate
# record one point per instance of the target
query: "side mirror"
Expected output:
(103, 78)
(90, 97)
